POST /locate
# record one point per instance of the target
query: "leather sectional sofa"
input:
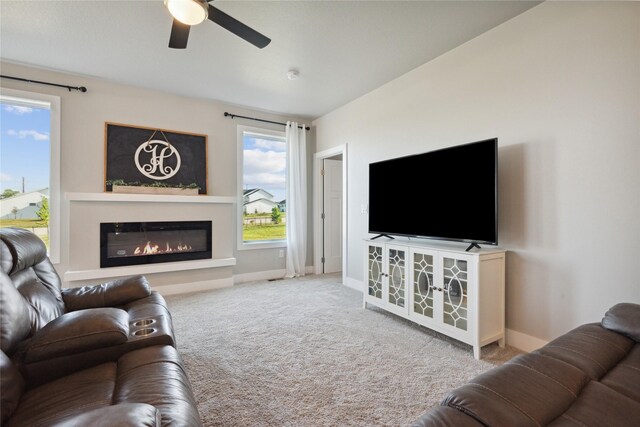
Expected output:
(588, 377)
(96, 355)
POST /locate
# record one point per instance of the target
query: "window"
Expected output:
(262, 205)
(30, 165)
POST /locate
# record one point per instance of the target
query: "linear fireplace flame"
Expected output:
(134, 243)
(151, 248)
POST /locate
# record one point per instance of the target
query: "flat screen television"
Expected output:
(446, 194)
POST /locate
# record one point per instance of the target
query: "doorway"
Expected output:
(330, 184)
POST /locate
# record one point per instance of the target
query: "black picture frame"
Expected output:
(147, 156)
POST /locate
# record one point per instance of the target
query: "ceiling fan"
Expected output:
(192, 12)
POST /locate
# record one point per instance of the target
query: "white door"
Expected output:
(332, 216)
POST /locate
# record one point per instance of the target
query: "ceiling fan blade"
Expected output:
(179, 35)
(238, 28)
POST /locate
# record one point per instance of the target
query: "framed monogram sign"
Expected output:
(144, 160)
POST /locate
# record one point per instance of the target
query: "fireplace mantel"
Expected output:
(102, 273)
(146, 198)
(78, 198)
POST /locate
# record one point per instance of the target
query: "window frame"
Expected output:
(52, 103)
(241, 244)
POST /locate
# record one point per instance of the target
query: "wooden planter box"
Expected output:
(154, 190)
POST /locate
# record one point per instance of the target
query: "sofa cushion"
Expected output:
(530, 390)
(11, 387)
(625, 377)
(125, 415)
(152, 376)
(168, 389)
(45, 303)
(6, 258)
(115, 293)
(25, 247)
(78, 332)
(589, 347)
(68, 396)
(15, 323)
(624, 318)
(600, 406)
(33, 275)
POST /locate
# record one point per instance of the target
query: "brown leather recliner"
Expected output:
(588, 377)
(84, 356)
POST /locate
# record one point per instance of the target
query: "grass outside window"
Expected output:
(36, 226)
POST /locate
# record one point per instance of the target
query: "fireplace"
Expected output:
(133, 243)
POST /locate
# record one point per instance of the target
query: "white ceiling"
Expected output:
(342, 49)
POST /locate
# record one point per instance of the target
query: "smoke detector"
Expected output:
(293, 74)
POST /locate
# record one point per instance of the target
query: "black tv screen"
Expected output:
(449, 194)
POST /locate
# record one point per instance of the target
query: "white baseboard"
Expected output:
(258, 275)
(265, 275)
(184, 288)
(523, 342)
(207, 285)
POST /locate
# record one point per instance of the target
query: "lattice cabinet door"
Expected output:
(423, 285)
(456, 293)
(395, 294)
(375, 270)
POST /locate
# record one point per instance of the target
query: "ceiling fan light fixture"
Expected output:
(189, 12)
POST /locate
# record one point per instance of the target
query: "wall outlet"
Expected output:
(281, 253)
(364, 208)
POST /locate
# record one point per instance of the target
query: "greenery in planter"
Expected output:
(156, 184)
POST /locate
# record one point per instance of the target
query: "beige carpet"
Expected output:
(303, 352)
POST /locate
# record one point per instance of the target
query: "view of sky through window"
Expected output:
(264, 164)
(24, 147)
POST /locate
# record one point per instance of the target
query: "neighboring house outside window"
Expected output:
(262, 160)
(21, 206)
(258, 201)
(30, 165)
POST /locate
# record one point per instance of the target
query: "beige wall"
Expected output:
(560, 87)
(83, 117)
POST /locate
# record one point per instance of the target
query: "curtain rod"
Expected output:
(79, 88)
(233, 116)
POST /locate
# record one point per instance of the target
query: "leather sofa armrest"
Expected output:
(624, 318)
(78, 332)
(124, 415)
(114, 293)
(444, 416)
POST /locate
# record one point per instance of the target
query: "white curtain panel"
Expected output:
(296, 200)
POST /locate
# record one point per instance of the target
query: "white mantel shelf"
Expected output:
(148, 198)
(102, 273)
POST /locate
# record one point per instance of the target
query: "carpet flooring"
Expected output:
(303, 352)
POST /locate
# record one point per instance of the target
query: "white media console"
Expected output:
(457, 293)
